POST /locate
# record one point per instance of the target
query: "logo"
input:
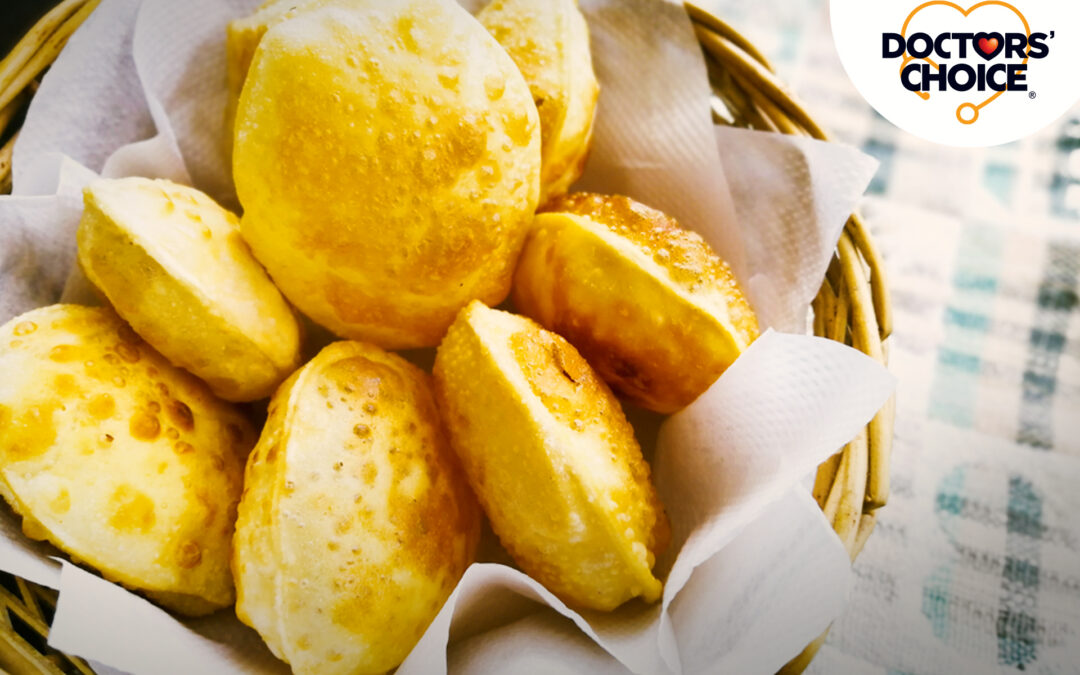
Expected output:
(962, 73)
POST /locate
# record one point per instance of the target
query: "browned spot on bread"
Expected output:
(519, 127)
(101, 406)
(66, 386)
(127, 351)
(144, 426)
(369, 472)
(127, 334)
(132, 510)
(236, 434)
(188, 555)
(180, 414)
(24, 328)
(64, 353)
(61, 504)
(28, 434)
(559, 376)
(354, 611)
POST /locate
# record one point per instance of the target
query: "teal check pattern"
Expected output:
(975, 563)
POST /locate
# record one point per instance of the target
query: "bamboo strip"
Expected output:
(19, 609)
(818, 307)
(865, 335)
(836, 491)
(47, 596)
(838, 331)
(866, 528)
(737, 101)
(5, 164)
(825, 303)
(29, 599)
(21, 657)
(826, 477)
(881, 440)
(26, 47)
(879, 284)
(777, 119)
(45, 55)
(8, 112)
(853, 491)
(800, 662)
(866, 338)
(758, 77)
(722, 28)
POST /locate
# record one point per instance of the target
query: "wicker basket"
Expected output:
(852, 306)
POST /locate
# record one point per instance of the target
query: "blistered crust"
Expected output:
(387, 156)
(648, 303)
(172, 263)
(549, 42)
(242, 37)
(356, 522)
(121, 460)
(551, 458)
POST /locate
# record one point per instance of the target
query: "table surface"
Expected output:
(975, 563)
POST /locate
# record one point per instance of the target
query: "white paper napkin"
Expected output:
(102, 621)
(792, 197)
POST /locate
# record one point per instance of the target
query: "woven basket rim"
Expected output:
(853, 305)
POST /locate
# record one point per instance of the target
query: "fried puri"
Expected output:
(172, 263)
(552, 459)
(387, 155)
(121, 460)
(242, 37)
(356, 521)
(549, 42)
(646, 301)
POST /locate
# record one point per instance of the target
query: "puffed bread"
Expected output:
(172, 263)
(552, 459)
(549, 42)
(387, 155)
(648, 303)
(356, 522)
(123, 461)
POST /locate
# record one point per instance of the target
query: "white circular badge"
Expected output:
(962, 73)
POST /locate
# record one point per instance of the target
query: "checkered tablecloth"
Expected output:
(975, 563)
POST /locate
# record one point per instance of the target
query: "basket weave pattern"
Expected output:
(852, 306)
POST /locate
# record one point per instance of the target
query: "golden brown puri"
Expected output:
(242, 37)
(551, 458)
(647, 302)
(123, 461)
(356, 521)
(388, 159)
(549, 42)
(172, 263)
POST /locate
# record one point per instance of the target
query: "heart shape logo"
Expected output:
(920, 65)
(990, 44)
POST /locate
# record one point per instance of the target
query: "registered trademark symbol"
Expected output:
(1031, 95)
